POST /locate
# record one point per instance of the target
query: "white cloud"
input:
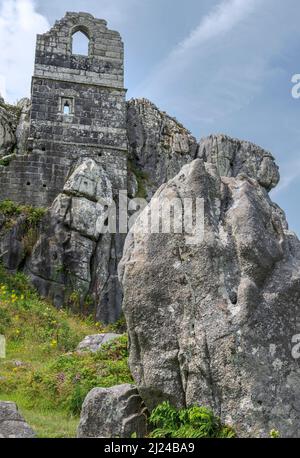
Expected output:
(19, 25)
(116, 12)
(220, 20)
(289, 173)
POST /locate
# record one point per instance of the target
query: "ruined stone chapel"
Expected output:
(78, 110)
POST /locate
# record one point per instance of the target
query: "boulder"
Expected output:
(116, 412)
(12, 424)
(81, 257)
(89, 180)
(232, 157)
(212, 323)
(94, 342)
(158, 146)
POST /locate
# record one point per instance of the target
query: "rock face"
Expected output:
(8, 124)
(22, 131)
(116, 412)
(14, 129)
(81, 259)
(94, 342)
(233, 157)
(158, 145)
(12, 424)
(212, 323)
(73, 263)
(12, 242)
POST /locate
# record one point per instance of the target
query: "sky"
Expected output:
(218, 66)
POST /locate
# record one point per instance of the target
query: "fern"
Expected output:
(194, 422)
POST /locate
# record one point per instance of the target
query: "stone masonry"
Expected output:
(78, 110)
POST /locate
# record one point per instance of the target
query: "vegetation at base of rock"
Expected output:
(42, 372)
(12, 210)
(141, 177)
(27, 217)
(15, 110)
(193, 422)
(5, 161)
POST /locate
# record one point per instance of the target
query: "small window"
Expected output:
(80, 43)
(66, 108)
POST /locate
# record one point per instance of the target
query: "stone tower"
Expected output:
(78, 110)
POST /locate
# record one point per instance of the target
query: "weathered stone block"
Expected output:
(12, 424)
(116, 412)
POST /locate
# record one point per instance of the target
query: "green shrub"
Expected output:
(193, 422)
(15, 283)
(11, 209)
(76, 399)
(119, 327)
(65, 381)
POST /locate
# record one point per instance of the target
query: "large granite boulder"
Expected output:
(75, 260)
(212, 323)
(117, 412)
(158, 146)
(232, 157)
(12, 424)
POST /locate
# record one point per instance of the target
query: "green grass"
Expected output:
(48, 423)
(41, 371)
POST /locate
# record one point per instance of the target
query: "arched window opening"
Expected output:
(80, 44)
(67, 109)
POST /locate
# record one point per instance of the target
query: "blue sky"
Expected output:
(216, 65)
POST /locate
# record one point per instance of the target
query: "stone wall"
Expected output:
(37, 178)
(104, 65)
(94, 123)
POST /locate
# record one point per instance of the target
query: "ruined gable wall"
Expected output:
(96, 125)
